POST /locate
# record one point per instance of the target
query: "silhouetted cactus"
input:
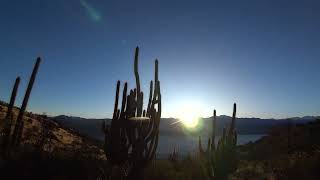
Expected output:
(132, 137)
(9, 118)
(174, 156)
(220, 160)
(18, 130)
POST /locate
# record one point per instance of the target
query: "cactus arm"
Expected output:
(139, 104)
(154, 147)
(209, 145)
(136, 73)
(156, 70)
(124, 100)
(116, 101)
(159, 105)
(150, 98)
(13, 97)
(138, 94)
(233, 118)
(8, 118)
(200, 146)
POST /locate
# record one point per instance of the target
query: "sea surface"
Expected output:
(189, 144)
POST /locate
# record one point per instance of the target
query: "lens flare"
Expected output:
(92, 12)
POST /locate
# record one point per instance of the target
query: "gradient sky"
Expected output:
(262, 54)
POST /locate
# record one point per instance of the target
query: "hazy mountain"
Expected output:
(172, 126)
(88, 127)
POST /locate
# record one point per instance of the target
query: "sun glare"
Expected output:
(189, 116)
(189, 120)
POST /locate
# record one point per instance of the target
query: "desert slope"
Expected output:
(59, 138)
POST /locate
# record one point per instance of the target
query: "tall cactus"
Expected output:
(220, 160)
(18, 130)
(9, 116)
(132, 137)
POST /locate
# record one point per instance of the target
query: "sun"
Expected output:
(189, 116)
(189, 119)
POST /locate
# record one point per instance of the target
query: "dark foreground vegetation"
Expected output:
(271, 157)
(287, 152)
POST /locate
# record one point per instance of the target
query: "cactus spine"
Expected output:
(17, 133)
(220, 160)
(132, 137)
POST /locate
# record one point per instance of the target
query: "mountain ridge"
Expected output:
(91, 127)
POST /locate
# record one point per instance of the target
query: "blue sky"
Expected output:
(264, 55)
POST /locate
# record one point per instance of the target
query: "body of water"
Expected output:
(189, 144)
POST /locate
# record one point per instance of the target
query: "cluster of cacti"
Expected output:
(174, 156)
(220, 160)
(18, 130)
(9, 139)
(132, 137)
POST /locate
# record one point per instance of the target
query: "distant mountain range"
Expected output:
(172, 126)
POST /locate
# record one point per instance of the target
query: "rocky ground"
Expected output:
(50, 151)
(58, 138)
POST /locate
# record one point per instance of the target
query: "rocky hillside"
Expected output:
(58, 137)
(287, 152)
